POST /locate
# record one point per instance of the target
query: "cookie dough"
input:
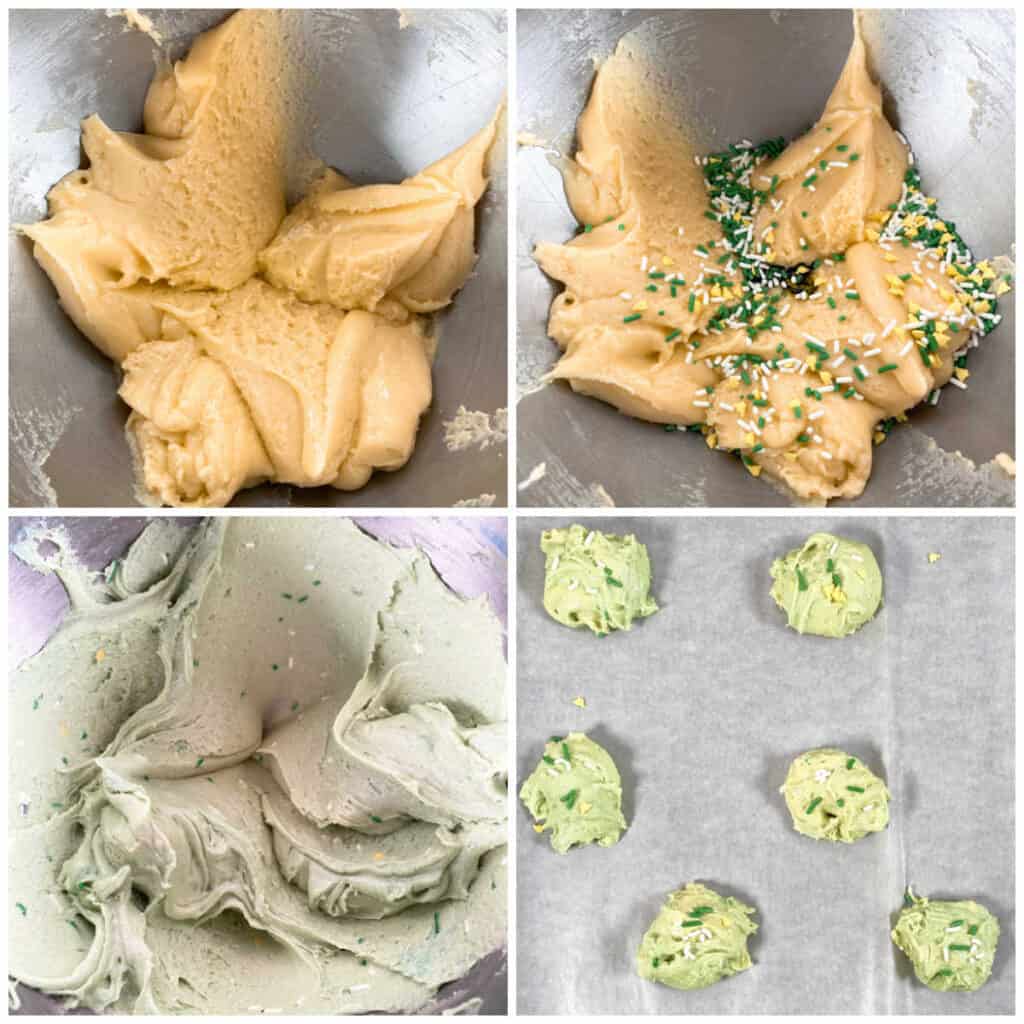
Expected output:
(951, 943)
(260, 767)
(829, 587)
(254, 345)
(697, 939)
(833, 795)
(790, 303)
(596, 580)
(576, 793)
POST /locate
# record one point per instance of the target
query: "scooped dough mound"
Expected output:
(697, 939)
(829, 587)
(576, 793)
(951, 943)
(596, 580)
(262, 768)
(790, 302)
(832, 795)
(318, 372)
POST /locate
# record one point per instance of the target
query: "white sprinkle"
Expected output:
(956, 382)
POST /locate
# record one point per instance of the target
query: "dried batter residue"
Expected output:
(474, 429)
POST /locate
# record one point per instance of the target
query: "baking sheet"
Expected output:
(703, 706)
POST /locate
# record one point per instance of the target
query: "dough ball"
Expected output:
(575, 792)
(951, 943)
(697, 938)
(596, 580)
(832, 795)
(829, 587)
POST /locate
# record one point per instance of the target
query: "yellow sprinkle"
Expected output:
(538, 828)
(754, 470)
(579, 702)
(101, 654)
(871, 234)
(639, 307)
(945, 237)
(901, 417)
(1001, 288)
(741, 408)
(749, 438)
(584, 807)
(712, 439)
(879, 436)
(962, 373)
(835, 594)
(933, 557)
(889, 258)
(792, 455)
(378, 855)
(668, 261)
(826, 377)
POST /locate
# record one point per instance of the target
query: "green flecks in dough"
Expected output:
(698, 938)
(575, 792)
(596, 580)
(951, 944)
(834, 796)
(829, 587)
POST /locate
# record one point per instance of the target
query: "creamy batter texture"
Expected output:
(835, 796)
(789, 303)
(255, 346)
(575, 792)
(259, 767)
(951, 943)
(831, 586)
(596, 580)
(698, 938)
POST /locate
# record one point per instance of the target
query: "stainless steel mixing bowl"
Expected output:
(949, 80)
(469, 554)
(391, 93)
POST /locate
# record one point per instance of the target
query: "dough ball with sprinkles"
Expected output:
(951, 943)
(697, 939)
(829, 587)
(835, 796)
(575, 793)
(596, 580)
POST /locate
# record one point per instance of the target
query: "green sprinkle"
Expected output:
(305, 597)
(973, 930)
(956, 924)
(376, 820)
(587, 228)
(656, 275)
(295, 705)
(837, 579)
(622, 227)
(888, 368)
(437, 922)
(851, 762)
(840, 802)
(843, 148)
(801, 580)
(274, 667)
(693, 924)
(850, 354)
(199, 762)
(36, 701)
(855, 296)
(960, 947)
(22, 908)
(565, 752)
(316, 583)
(701, 911)
(859, 373)
(672, 337)
(855, 789)
(854, 157)
(652, 288)
(655, 961)
(693, 301)
(547, 759)
(613, 581)
(814, 803)
(809, 180)
(629, 319)
(287, 597)
(831, 302)
(946, 972)
(569, 799)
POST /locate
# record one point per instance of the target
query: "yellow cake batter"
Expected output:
(255, 346)
(790, 337)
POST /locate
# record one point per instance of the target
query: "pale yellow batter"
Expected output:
(664, 314)
(255, 346)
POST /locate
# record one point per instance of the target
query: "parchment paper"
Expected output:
(703, 706)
